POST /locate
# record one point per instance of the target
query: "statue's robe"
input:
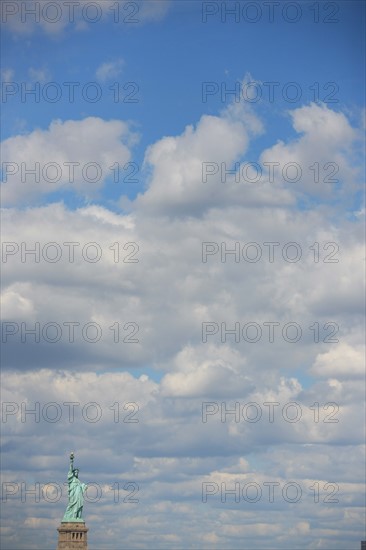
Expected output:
(77, 489)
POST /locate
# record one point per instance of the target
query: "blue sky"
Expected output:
(168, 81)
(187, 204)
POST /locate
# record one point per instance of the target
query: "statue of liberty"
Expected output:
(77, 489)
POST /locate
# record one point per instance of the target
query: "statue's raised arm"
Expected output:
(76, 492)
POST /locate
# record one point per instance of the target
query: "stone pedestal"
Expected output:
(72, 536)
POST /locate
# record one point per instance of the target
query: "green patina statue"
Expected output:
(74, 510)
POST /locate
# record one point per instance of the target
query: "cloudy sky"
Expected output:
(182, 258)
